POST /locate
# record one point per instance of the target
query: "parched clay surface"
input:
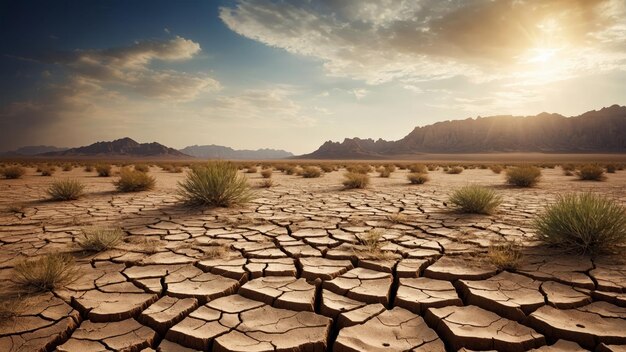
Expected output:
(292, 270)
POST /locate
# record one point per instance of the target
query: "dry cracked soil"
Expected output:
(290, 271)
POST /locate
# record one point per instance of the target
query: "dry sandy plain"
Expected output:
(295, 277)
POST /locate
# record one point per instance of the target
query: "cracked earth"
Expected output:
(289, 271)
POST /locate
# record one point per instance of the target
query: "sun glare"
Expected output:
(541, 55)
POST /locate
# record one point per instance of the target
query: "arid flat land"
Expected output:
(293, 270)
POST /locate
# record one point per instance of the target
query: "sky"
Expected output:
(291, 75)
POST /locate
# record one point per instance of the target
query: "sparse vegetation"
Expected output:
(215, 184)
(496, 169)
(591, 172)
(505, 256)
(13, 172)
(311, 172)
(11, 305)
(397, 218)
(100, 239)
(134, 181)
(523, 176)
(67, 167)
(372, 240)
(568, 169)
(583, 223)
(359, 168)
(475, 199)
(66, 189)
(417, 178)
(88, 168)
(142, 168)
(454, 170)
(47, 170)
(103, 170)
(45, 273)
(356, 180)
(266, 183)
(251, 170)
(418, 169)
(267, 173)
(610, 168)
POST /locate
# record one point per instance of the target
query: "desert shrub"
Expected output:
(327, 167)
(454, 170)
(103, 170)
(88, 168)
(267, 173)
(46, 171)
(100, 239)
(496, 169)
(390, 167)
(384, 172)
(176, 170)
(215, 184)
(13, 172)
(523, 176)
(356, 180)
(359, 168)
(166, 167)
(142, 167)
(46, 272)
(290, 169)
(418, 168)
(584, 223)
(311, 172)
(417, 178)
(610, 168)
(432, 167)
(251, 170)
(11, 305)
(266, 183)
(475, 199)
(66, 189)
(372, 240)
(505, 256)
(591, 172)
(67, 167)
(134, 181)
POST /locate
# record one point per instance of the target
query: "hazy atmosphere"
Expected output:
(293, 74)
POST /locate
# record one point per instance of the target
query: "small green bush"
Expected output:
(103, 170)
(417, 178)
(45, 273)
(584, 223)
(100, 239)
(142, 168)
(215, 184)
(134, 181)
(311, 172)
(455, 170)
(591, 173)
(356, 180)
(13, 172)
(475, 199)
(66, 189)
(523, 176)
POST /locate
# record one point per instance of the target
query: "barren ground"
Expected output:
(296, 277)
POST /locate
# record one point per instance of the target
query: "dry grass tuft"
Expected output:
(267, 173)
(418, 168)
(98, 239)
(591, 173)
(266, 183)
(103, 170)
(417, 178)
(66, 190)
(134, 181)
(505, 256)
(356, 180)
(583, 223)
(475, 199)
(311, 172)
(523, 176)
(45, 273)
(455, 170)
(496, 169)
(13, 172)
(142, 168)
(397, 218)
(215, 184)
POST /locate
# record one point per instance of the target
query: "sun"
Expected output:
(541, 55)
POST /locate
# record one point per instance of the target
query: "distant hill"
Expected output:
(220, 152)
(33, 150)
(602, 131)
(124, 147)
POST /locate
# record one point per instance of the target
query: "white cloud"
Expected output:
(382, 40)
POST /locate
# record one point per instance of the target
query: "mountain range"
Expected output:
(219, 152)
(602, 131)
(124, 147)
